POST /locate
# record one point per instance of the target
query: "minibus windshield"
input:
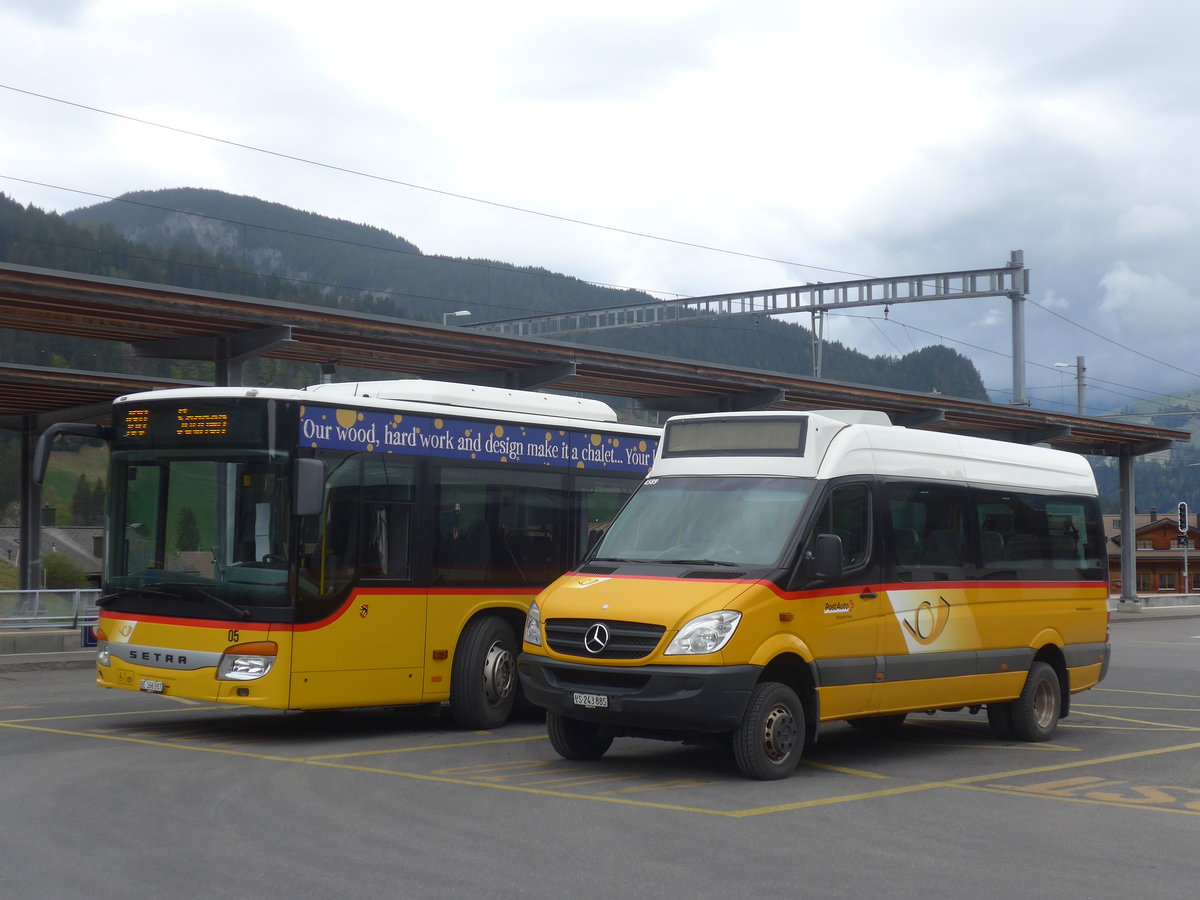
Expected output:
(735, 520)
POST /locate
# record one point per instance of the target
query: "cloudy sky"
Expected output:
(684, 148)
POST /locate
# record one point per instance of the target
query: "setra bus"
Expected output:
(345, 545)
(780, 570)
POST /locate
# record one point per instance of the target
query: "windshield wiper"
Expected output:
(696, 562)
(192, 590)
(122, 593)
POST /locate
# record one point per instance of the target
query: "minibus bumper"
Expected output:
(653, 698)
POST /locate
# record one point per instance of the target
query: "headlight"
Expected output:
(247, 661)
(103, 656)
(704, 634)
(533, 625)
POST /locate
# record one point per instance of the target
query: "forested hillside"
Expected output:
(370, 270)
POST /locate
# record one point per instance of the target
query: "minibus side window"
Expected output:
(846, 513)
(928, 531)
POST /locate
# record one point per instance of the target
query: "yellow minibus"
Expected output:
(780, 570)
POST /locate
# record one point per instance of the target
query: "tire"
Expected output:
(1035, 713)
(768, 741)
(1000, 721)
(483, 679)
(880, 724)
(573, 739)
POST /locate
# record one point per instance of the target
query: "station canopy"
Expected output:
(169, 322)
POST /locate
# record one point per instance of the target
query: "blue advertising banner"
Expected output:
(373, 431)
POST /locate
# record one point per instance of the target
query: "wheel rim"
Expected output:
(1044, 707)
(499, 673)
(779, 733)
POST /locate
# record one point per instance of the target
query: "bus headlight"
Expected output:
(533, 625)
(246, 662)
(704, 634)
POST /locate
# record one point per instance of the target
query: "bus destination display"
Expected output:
(188, 424)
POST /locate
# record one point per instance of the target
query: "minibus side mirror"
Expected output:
(309, 482)
(827, 556)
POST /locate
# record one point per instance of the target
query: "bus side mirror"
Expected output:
(827, 556)
(309, 481)
(45, 443)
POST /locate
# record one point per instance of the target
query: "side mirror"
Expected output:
(827, 556)
(45, 443)
(308, 479)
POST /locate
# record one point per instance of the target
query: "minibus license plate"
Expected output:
(592, 701)
(151, 686)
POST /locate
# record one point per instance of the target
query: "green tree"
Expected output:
(81, 502)
(189, 530)
(62, 573)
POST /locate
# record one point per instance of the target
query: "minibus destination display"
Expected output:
(736, 437)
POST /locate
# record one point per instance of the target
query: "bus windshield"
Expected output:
(200, 533)
(713, 520)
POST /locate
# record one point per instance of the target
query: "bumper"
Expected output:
(652, 698)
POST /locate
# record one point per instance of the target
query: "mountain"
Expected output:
(370, 270)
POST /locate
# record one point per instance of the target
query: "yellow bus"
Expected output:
(776, 571)
(346, 545)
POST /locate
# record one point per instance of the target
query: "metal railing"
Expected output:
(72, 608)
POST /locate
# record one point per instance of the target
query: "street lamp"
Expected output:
(446, 317)
(1079, 370)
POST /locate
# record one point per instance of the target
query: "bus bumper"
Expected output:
(652, 698)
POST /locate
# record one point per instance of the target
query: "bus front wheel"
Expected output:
(483, 680)
(769, 739)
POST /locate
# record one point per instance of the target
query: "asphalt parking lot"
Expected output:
(346, 803)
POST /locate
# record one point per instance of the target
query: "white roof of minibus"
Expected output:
(836, 447)
(429, 397)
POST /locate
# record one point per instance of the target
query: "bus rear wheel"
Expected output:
(573, 739)
(1034, 714)
(769, 739)
(483, 680)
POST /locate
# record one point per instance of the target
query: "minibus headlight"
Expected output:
(704, 634)
(533, 625)
(103, 656)
(247, 661)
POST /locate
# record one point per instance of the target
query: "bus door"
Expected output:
(843, 615)
(360, 632)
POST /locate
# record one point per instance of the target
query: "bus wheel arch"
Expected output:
(483, 676)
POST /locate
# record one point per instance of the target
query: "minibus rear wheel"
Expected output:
(769, 739)
(1035, 713)
(573, 739)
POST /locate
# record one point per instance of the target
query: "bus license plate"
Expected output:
(150, 686)
(592, 701)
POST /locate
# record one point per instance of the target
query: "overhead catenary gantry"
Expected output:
(816, 298)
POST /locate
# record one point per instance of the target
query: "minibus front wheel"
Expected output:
(769, 739)
(573, 739)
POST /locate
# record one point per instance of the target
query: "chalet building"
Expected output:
(1160, 554)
